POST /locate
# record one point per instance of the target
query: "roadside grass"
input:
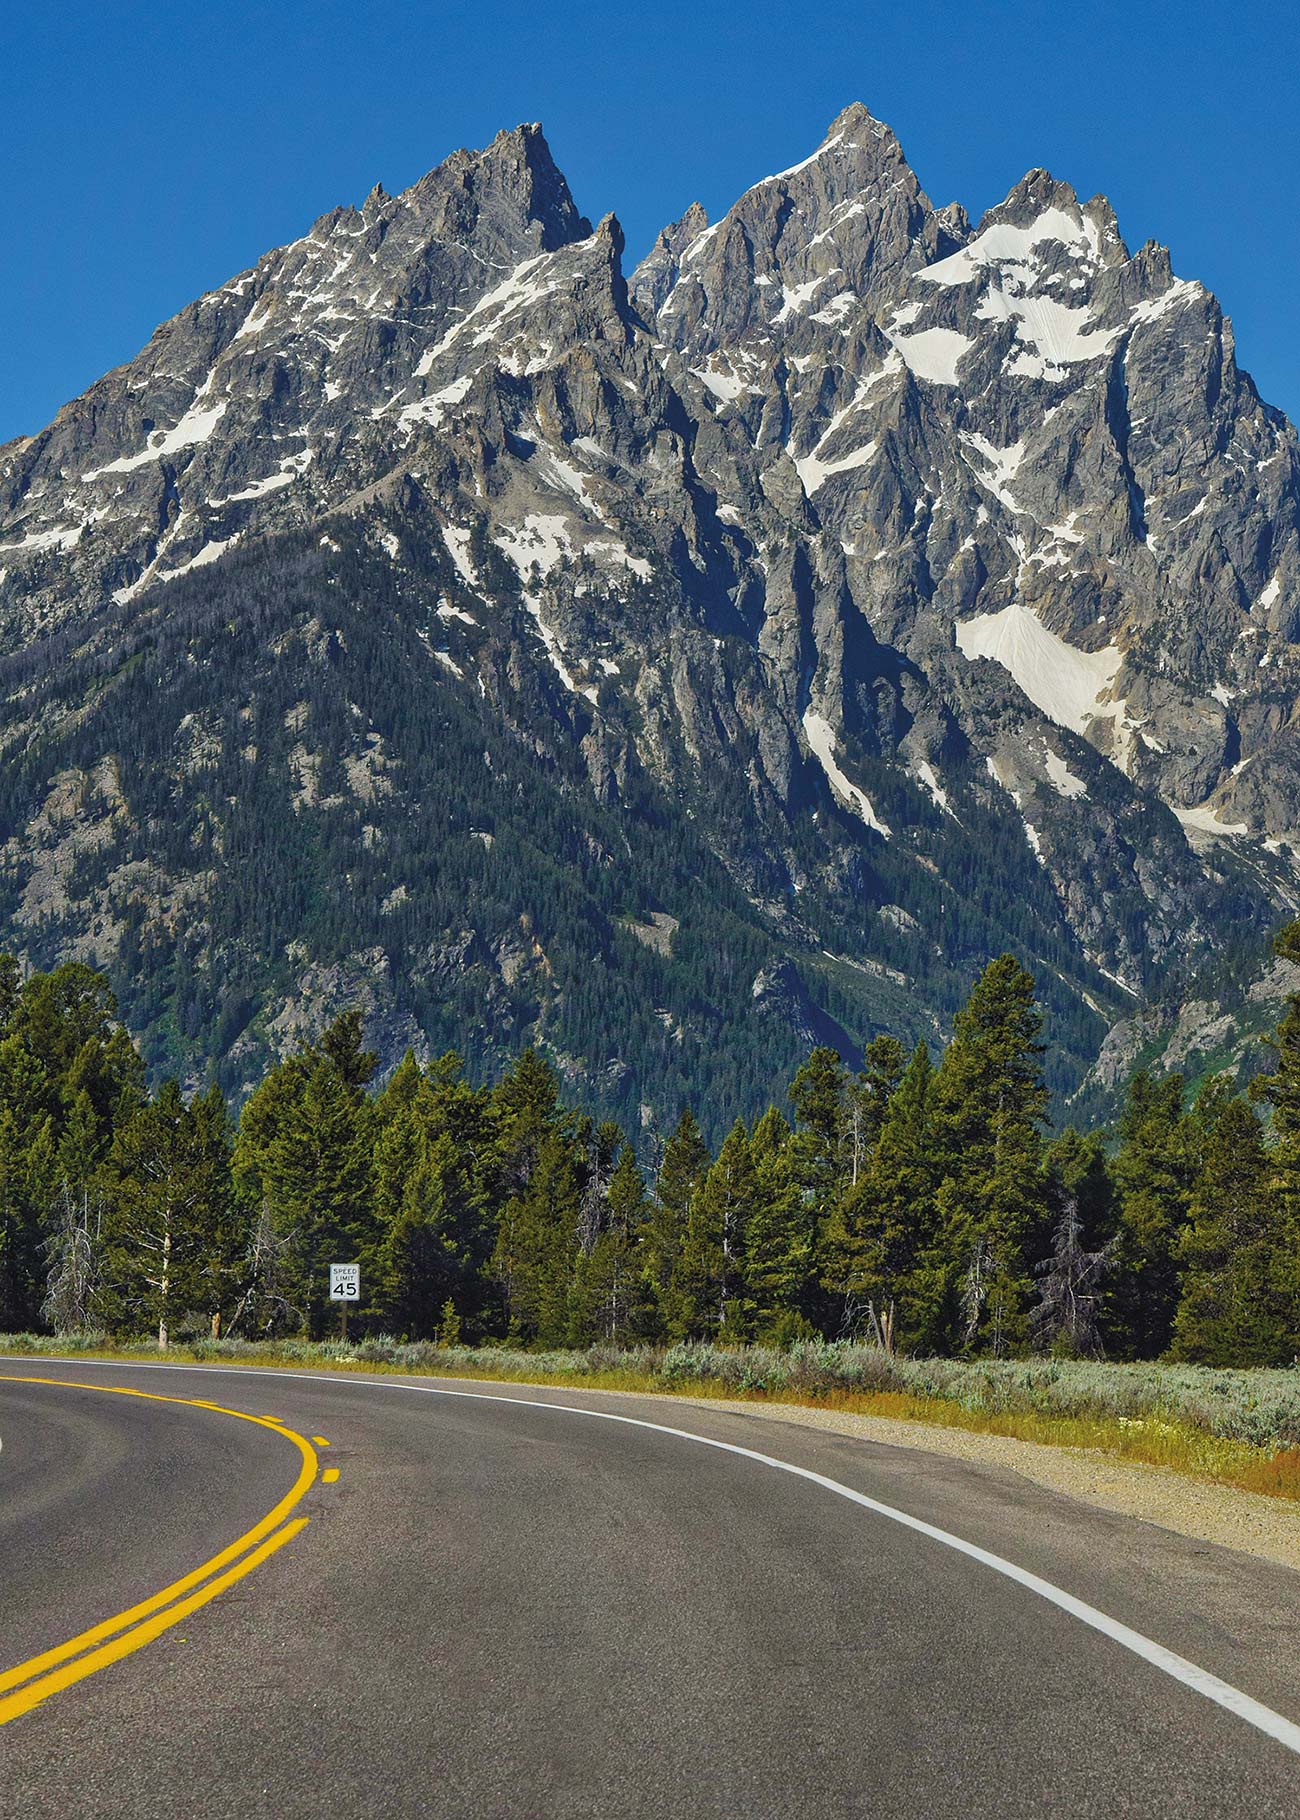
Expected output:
(1238, 1428)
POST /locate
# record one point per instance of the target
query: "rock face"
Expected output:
(857, 591)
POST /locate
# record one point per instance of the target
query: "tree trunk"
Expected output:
(162, 1289)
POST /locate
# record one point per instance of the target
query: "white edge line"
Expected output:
(1177, 1667)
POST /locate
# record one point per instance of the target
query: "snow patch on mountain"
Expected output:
(1205, 819)
(793, 170)
(934, 354)
(60, 537)
(1005, 243)
(194, 427)
(933, 788)
(814, 472)
(821, 738)
(1065, 683)
(457, 540)
(1063, 780)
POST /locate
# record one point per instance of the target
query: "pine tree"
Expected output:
(167, 1216)
(1077, 1169)
(868, 1097)
(991, 1203)
(20, 1237)
(527, 1108)
(303, 1152)
(709, 1278)
(422, 1260)
(537, 1243)
(341, 1046)
(1154, 1171)
(778, 1237)
(222, 1223)
(609, 1300)
(684, 1165)
(1279, 1090)
(881, 1255)
(604, 1143)
(818, 1093)
(1237, 1305)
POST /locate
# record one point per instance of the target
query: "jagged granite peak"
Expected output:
(845, 222)
(1039, 200)
(659, 271)
(169, 461)
(514, 188)
(896, 589)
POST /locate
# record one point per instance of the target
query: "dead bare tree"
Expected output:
(266, 1307)
(72, 1255)
(881, 1325)
(975, 1288)
(1069, 1290)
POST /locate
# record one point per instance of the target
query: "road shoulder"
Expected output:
(1268, 1528)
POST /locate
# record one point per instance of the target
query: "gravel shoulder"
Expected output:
(1268, 1528)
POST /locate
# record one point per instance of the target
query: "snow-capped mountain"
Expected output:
(674, 671)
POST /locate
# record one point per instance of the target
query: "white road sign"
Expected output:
(345, 1282)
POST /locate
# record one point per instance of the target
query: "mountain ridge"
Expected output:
(913, 574)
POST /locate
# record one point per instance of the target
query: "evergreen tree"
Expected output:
(915, 1205)
(423, 1259)
(609, 1299)
(818, 1093)
(684, 1165)
(1237, 1305)
(1279, 1090)
(868, 1098)
(537, 1243)
(881, 1254)
(1077, 1169)
(527, 1109)
(168, 1226)
(989, 1107)
(20, 1238)
(303, 1153)
(1154, 1170)
(777, 1237)
(604, 1144)
(709, 1279)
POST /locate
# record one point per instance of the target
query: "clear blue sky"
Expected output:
(149, 151)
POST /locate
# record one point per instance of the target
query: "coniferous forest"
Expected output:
(924, 1204)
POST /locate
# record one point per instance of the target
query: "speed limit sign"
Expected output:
(345, 1282)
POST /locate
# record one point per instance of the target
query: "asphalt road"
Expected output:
(501, 1609)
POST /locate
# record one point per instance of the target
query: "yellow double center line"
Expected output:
(28, 1683)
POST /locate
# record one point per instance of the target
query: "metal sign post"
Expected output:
(345, 1287)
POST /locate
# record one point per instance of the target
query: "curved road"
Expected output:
(497, 1607)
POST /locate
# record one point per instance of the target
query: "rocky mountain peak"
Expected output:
(659, 271)
(857, 125)
(1045, 205)
(838, 227)
(513, 192)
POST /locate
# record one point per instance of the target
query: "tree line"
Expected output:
(921, 1203)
